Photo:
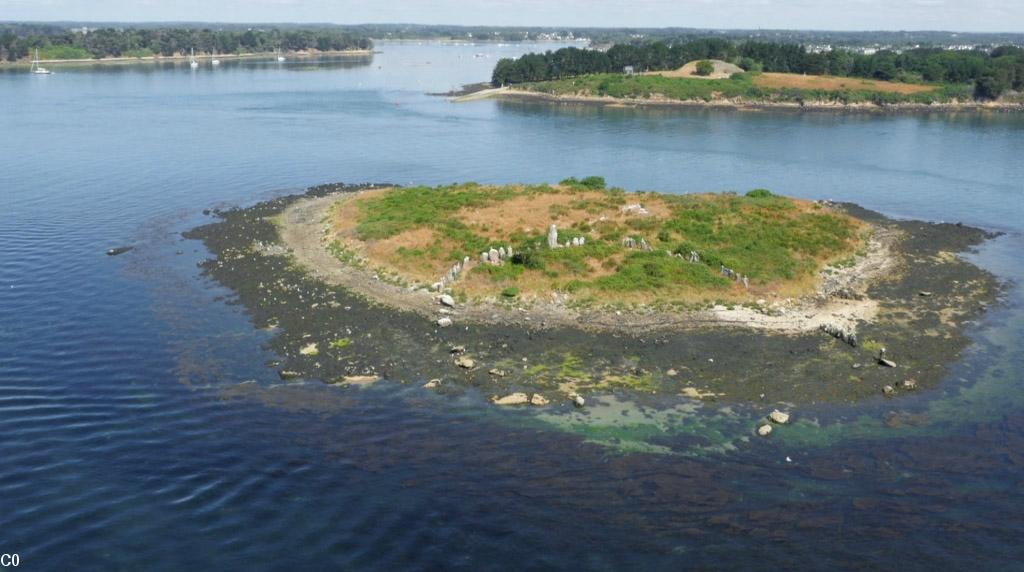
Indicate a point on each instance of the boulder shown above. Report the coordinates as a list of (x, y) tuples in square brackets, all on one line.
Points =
[(432, 384), (779, 417), (577, 399), (909, 384), (444, 322), (764, 430), (886, 362), (512, 399), (497, 372), (465, 362), (492, 256), (287, 374), (888, 390), (447, 300), (538, 399), (309, 350)]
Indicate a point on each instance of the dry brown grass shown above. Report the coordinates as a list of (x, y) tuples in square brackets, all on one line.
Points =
[(835, 83)]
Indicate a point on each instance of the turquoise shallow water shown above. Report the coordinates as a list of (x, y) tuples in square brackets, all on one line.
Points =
[(128, 441)]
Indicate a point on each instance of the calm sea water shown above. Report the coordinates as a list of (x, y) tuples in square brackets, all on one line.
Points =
[(140, 429)]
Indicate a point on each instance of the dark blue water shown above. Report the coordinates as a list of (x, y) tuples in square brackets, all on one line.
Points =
[(140, 429)]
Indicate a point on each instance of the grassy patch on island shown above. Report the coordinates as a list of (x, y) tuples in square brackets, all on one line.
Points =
[(752, 88), (622, 247)]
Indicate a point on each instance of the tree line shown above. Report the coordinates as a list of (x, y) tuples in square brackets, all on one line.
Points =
[(991, 72), (112, 42)]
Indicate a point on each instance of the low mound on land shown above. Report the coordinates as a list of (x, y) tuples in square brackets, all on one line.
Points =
[(722, 70), (614, 247)]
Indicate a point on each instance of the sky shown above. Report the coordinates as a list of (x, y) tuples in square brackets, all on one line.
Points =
[(955, 15)]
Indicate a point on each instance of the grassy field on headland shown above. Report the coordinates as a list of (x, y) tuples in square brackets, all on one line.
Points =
[(752, 88), (636, 246)]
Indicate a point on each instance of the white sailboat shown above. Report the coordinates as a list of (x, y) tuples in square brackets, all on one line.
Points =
[(38, 69), (192, 60), (215, 62)]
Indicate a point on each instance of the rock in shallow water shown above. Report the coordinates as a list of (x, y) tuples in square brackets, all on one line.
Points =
[(119, 250), (447, 300), (779, 417), (764, 430), (465, 362), (513, 399), (444, 322), (538, 399)]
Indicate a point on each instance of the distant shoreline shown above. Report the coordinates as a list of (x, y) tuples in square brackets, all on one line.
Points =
[(184, 57), (739, 104)]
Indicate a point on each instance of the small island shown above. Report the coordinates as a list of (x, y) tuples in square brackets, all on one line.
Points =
[(753, 75), (543, 295)]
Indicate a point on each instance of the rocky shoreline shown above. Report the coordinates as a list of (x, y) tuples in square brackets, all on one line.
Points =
[(738, 104), (332, 333)]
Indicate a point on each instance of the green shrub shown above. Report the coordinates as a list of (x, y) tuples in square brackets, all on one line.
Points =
[(704, 68), (510, 292)]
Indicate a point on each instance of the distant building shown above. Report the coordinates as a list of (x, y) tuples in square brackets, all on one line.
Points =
[(628, 70)]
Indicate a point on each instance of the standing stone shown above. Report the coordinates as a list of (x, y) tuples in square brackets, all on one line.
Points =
[(465, 262), (492, 256), (483, 257), (553, 236), (583, 240), (508, 251), (501, 252)]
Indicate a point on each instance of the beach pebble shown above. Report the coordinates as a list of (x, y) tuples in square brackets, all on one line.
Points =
[(764, 430), (886, 362), (538, 399), (432, 384), (447, 300), (444, 322), (465, 362), (671, 373), (909, 384), (512, 399), (779, 417), (497, 372), (888, 390)]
